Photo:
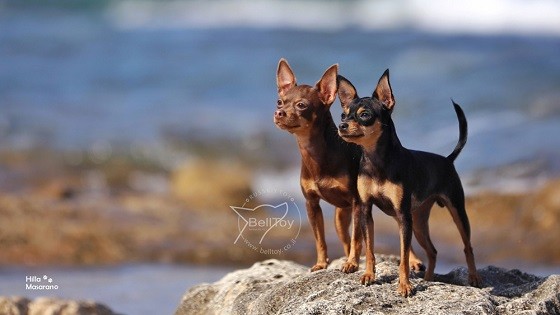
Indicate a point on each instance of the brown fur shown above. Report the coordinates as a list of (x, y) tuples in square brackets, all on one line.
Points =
[(329, 167)]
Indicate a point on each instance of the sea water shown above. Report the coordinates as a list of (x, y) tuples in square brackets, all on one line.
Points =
[(125, 73), (126, 289)]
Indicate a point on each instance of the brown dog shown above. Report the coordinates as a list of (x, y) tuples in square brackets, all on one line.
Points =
[(403, 183), (329, 168)]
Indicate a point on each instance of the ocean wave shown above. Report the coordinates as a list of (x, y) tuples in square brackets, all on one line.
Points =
[(439, 16)]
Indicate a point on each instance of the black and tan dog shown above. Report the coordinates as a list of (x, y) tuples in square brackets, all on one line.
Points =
[(329, 168), (402, 183)]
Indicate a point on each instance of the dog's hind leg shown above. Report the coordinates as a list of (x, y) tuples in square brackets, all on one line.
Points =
[(456, 205), (421, 229)]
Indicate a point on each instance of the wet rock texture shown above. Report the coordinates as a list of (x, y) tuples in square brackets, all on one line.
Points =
[(284, 287)]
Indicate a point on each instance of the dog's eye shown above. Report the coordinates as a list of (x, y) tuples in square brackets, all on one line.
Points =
[(343, 116), (365, 115), (279, 103), (301, 106)]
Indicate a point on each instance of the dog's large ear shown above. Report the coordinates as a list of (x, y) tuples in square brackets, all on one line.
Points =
[(327, 85), (346, 91), (383, 91), (285, 78)]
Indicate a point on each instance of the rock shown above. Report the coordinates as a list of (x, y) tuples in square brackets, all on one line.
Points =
[(284, 287), (13, 305), (50, 306)]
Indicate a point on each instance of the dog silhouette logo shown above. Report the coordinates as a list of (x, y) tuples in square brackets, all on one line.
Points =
[(265, 224), (276, 222)]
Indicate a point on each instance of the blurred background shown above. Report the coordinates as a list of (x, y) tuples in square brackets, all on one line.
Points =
[(128, 128)]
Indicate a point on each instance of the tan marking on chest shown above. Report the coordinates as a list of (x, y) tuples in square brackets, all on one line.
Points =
[(368, 188), (309, 185), (326, 185), (393, 192), (335, 183)]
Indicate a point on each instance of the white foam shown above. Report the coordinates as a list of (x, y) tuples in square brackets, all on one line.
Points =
[(442, 16), (287, 181), (497, 16)]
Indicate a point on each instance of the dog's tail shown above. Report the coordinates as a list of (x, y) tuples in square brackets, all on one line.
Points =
[(463, 132)]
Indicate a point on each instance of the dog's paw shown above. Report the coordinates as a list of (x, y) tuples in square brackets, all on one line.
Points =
[(429, 276), (475, 280), (405, 289), (319, 266), (349, 267), (367, 278), (416, 265)]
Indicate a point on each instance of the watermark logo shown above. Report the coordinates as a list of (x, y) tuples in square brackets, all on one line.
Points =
[(40, 283), (269, 228)]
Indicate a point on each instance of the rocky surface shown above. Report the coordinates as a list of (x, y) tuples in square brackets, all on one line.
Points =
[(284, 287), (50, 306)]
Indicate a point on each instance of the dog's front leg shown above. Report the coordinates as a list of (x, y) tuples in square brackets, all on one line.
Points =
[(366, 224), (353, 261), (342, 220), (405, 227), (315, 216), (414, 261)]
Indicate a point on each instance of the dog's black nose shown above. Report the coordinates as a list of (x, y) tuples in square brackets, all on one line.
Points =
[(343, 126), (279, 113)]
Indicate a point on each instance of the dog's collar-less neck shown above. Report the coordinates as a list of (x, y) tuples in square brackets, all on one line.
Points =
[(388, 143), (316, 146), (320, 131)]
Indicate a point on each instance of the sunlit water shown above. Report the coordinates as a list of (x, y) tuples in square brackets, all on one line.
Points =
[(128, 289)]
